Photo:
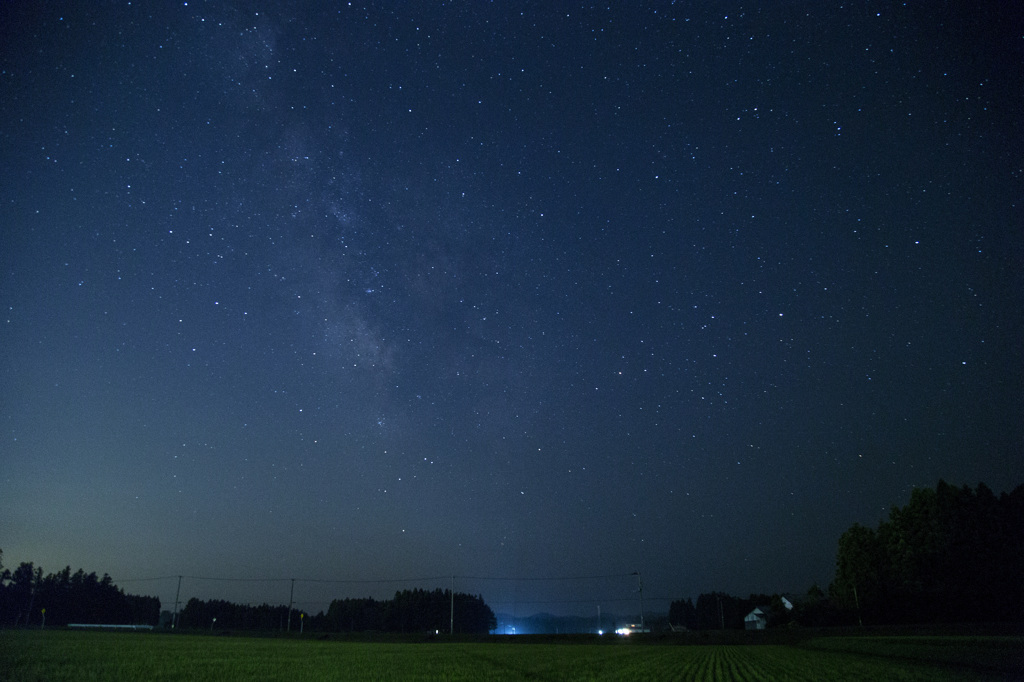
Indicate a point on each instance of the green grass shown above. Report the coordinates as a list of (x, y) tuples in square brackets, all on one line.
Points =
[(27, 656)]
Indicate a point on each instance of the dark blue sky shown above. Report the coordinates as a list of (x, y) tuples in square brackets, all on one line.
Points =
[(505, 290)]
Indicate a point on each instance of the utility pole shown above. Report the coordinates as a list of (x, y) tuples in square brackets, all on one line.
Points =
[(451, 615), (291, 600), (856, 601), (31, 602), (174, 620), (640, 584)]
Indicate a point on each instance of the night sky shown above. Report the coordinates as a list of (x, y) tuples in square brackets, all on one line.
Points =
[(501, 291)]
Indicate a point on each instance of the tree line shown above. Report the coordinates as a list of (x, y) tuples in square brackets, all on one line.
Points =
[(951, 555), (225, 615), (409, 611), (721, 611), (412, 611), (27, 596)]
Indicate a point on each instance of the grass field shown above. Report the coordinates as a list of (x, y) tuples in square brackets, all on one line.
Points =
[(52, 656)]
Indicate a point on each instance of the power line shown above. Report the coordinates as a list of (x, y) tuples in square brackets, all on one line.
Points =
[(436, 579), (378, 581), (540, 579), (560, 601)]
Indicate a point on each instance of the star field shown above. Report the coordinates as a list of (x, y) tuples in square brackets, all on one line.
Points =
[(524, 291)]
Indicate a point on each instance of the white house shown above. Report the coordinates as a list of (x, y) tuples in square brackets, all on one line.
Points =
[(758, 618)]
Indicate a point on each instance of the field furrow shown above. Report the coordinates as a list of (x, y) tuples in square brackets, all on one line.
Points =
[(55, 656)]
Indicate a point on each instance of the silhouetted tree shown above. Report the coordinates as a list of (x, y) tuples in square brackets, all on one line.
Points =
[(415, 610), (814, 609), (718, 610), (951, 554), (683, 613), (355, 615), (199, 614), (472, 615), (21, 591), (68, 598)]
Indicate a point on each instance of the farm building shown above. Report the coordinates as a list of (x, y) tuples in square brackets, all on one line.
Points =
[(758, 618)]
